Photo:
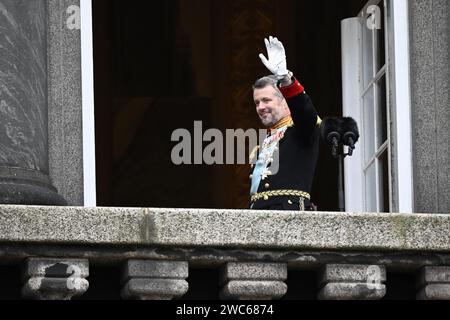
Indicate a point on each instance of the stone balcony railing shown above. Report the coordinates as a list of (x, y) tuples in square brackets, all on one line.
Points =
[(255, 252)]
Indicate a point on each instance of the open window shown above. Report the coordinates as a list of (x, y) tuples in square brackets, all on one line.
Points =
[(160, 66), (376, 95)]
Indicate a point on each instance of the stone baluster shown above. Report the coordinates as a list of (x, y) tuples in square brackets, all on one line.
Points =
[(434, 283), (253, 281), (54, 279), (349, 281), (154, 280)]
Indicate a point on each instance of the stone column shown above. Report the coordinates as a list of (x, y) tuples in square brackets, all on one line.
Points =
[(24, 161), (352, 282), (253, 281), (154, 280), (434, 283), (55, 279)]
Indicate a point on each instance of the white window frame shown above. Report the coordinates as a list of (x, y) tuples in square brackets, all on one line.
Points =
[(87, 79), (398, 93), (402, 101), (371, 158), (351, 106)]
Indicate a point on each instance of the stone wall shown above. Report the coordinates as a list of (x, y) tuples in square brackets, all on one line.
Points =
[(430, 91), (64, 99)]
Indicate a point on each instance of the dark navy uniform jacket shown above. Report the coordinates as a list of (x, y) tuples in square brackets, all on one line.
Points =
[(298, 153)]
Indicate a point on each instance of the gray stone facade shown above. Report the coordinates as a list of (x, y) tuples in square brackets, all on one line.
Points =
[(430, 94), (64, 99)]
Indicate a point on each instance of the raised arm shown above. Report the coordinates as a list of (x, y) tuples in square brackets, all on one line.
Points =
[(303, 113)]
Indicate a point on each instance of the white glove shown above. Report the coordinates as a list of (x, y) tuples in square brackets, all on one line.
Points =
[(276, 61)]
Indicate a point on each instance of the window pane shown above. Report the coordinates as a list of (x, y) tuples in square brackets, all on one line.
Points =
[(381, 55), (381, 112), (368, 125), (367, 52), (370, 183), (384, 182)]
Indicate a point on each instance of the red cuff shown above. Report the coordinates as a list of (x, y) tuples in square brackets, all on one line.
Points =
[(292, 90)]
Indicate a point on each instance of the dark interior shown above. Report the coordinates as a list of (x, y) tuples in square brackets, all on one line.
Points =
[(162, 65)]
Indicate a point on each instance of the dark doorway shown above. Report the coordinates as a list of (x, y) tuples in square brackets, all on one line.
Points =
[(160, 66)]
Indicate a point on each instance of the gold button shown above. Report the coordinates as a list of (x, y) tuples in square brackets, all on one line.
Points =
[(289, 201), (267, 185), (266, 197)]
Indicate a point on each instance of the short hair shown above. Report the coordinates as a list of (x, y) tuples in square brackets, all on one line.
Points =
[(268, 81)]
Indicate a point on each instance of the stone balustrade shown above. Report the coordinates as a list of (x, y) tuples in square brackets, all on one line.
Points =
[(351, 255)]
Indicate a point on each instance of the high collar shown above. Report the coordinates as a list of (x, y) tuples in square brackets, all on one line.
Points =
[(286, 121)]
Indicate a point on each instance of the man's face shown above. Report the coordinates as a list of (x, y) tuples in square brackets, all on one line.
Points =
[(270, 107)]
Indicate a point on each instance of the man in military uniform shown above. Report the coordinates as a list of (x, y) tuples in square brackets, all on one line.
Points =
[(285, 162)]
